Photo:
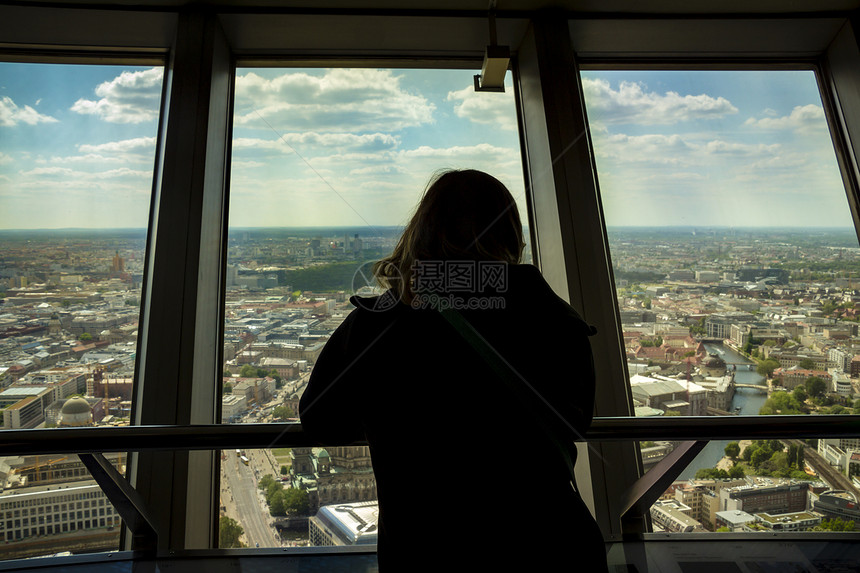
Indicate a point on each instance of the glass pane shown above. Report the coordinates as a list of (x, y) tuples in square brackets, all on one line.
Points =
[(764, 486), (327, 167), (734, 253), (77, 148), (51, 505)]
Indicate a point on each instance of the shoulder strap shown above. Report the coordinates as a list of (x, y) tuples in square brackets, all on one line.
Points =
[(515, 381)]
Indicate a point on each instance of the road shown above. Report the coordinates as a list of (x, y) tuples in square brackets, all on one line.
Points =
[(244, 502)]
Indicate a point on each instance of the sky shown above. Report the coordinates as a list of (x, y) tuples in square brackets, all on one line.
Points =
[(77, 145), (357, 146), (713, 148)]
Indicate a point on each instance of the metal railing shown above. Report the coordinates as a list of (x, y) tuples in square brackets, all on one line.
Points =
[(231, 436), (694, 433)]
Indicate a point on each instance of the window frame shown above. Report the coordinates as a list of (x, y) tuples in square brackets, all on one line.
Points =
[(546, 45), (826, 45)]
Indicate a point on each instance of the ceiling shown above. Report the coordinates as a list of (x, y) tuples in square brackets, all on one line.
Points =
[(602, 7)]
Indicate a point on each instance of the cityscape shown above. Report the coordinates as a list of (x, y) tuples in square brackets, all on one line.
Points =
[(716, 322)]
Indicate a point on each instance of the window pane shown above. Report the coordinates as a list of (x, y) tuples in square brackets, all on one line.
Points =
[(327, 167), (77, 148), (733, 248), (761, 485)]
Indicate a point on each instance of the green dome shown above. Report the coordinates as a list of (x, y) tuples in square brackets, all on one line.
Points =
[(76, 406)]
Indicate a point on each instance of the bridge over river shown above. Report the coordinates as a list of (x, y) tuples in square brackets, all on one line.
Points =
[(758, 387)]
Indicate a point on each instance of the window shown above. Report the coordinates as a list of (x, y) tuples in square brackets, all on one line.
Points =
[(735, 260), (77, 146), (327, 165)]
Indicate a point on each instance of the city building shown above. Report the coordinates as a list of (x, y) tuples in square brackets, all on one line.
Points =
[(719, 325), (754, 498), (734, 520), (345, 524), (74, 516), (686, 398), (837, 504), (794, 376), (797, 521), (333, 475), (673, 516), (233, 406)]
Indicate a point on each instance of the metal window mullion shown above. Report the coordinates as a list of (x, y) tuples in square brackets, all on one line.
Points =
[(179, 361), (841, 98)]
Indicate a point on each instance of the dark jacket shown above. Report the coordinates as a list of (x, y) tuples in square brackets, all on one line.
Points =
[(459, 455)]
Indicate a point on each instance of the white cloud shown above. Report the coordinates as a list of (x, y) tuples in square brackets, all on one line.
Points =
[(137, 144), (493, 108), (719, 147), (84, 176), (678, 176), (630, 103), (369, 142), (135, 150), (803, 118), (482, 151), (131, 97), (5, 159), (650, 148), (342, 100), (378, 170), (11, 114)]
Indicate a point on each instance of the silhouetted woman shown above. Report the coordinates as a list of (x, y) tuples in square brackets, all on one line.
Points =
[(469, 378)]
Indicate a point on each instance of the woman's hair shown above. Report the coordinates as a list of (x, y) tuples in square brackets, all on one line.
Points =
[(464, 215)]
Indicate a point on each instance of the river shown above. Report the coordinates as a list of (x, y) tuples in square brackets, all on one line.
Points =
[(748, 400)]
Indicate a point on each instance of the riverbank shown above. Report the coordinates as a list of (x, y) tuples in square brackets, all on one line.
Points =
[(726, 462)]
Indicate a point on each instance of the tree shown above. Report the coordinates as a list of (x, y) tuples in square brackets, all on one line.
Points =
[(296, 501), (835, 525), (229, 532), (282, 413), (737, 471), (85, 337), (781, 403), (799, 394), (807, 364), (766, 367), (733, 450), (759, 456), (792, 455), (276, 503), (815, 386), (711, 473), (284, 470), (775, 445)]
